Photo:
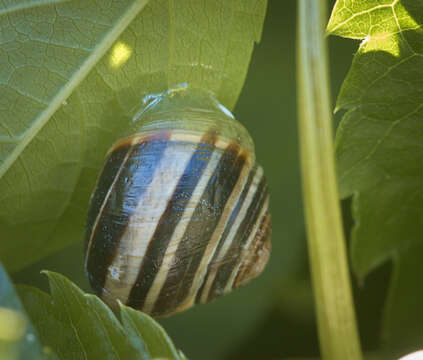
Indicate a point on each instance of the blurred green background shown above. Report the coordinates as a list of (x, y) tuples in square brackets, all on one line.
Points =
[(272, 318)]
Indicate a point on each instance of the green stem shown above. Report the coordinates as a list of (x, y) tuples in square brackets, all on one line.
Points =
[(334, 306)]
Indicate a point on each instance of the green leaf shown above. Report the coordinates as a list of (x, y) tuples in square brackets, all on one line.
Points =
[(407, 275), (63, 100), (45, 53), (9, 6), (81, 326), (140, 325), (378, 148), (376, 19), (18, 339)]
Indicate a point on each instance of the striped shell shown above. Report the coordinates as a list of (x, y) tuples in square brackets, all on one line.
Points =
[(179, 215)]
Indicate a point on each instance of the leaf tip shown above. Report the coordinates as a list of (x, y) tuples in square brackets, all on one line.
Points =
[(45, 272)]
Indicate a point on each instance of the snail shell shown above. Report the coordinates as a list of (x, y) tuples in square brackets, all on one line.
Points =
[(179, 214)]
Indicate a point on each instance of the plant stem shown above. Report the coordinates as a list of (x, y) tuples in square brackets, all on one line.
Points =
[(334, 305)]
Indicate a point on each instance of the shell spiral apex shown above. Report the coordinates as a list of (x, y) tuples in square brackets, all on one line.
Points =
[(180, 212)]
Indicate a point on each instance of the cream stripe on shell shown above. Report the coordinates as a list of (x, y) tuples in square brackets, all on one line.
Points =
[(246, 248), (106, 198), (232, 233), (177, 236), (216, 237), (123, 271)]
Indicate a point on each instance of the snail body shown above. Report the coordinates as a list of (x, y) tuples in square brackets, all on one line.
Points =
[(179, 214)]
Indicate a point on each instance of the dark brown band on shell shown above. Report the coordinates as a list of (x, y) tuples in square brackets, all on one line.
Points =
[(214, 169)]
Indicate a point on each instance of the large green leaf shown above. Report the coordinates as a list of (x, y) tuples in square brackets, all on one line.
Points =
[(45, 53), (18, 339), (53, 134), (379, 149), (81, 326)]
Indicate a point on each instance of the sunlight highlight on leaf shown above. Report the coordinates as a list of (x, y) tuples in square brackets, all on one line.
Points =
[(362, 19), (120, 55), (387, 43)]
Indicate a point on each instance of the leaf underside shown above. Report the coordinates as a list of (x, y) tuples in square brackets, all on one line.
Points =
[(379, 150), (73, 73)]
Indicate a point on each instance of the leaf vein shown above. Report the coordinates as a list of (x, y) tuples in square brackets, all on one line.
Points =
[(362, 13), (380, 141)]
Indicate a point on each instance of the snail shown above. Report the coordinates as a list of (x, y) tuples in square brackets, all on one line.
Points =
[(180, 211)]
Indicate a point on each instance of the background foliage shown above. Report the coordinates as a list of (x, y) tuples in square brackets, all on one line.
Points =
[(379, 152), (273, 317)]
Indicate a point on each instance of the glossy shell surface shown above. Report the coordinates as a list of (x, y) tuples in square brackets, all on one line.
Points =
[(178, 216)]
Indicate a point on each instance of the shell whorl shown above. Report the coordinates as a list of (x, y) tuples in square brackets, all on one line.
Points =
[(180, 212), (191, 111)]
